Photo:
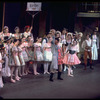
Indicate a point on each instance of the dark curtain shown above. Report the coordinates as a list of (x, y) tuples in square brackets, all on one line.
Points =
[(59, 15)]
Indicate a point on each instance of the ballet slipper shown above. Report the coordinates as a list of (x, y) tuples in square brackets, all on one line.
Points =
[(48, 73), (17, 79), (71, 75), (13, 81)]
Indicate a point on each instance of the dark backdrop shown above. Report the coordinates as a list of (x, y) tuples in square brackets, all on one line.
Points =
[(59, 15)]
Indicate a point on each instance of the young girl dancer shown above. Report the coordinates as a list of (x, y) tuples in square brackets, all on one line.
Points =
[(70, 58), (67, 44), (6, 70), (38, 55), (47, 54), (16, 61), (25, 53), (22, 62)]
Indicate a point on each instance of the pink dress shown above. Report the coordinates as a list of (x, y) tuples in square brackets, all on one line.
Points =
[(71, 59), (16, 55), (47, 52), (24, 53), (39, 54)]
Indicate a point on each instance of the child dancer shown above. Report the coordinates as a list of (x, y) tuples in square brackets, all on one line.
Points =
[(6, 70), (67, 44), (21, 59), (38, 55), (16, 60), (25, 53), (47, 54), (71, 58)]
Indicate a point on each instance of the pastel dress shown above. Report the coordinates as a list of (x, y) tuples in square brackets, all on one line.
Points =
[(39, 54), (1, 81), (16, 55), (21, 56), (94, 47), (47, 52), (6, 70), (24, 53), (71, 58)]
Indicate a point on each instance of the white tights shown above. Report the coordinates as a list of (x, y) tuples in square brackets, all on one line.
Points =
[(46, 65)]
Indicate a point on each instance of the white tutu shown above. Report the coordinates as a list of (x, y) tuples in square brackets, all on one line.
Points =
[(39, 56), (47, 56)]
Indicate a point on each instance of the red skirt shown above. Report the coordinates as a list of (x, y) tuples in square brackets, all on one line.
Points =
[(60, 60)]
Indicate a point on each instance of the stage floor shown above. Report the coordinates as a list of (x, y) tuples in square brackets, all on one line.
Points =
[(84, 85)]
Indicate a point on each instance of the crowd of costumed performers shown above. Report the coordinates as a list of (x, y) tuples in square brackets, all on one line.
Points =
[(58, 51)]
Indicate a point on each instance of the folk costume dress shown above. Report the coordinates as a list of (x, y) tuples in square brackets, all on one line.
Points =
[(15, 56), (47, 52), (95, 47), (39, 54), (71, 58), (24, 53), (6, 70), (22, 62)]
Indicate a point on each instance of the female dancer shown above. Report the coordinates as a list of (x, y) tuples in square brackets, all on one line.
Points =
[(27, 32), (38, 55), (6, 32), (69, 37), (95, 46), (16, 61), (47, 54), (70, 58), (21, 59), (25, 53), (6, 70)]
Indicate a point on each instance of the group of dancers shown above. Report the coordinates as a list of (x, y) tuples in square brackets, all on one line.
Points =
[(56, 49)]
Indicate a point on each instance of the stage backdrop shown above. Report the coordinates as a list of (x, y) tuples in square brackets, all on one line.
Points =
[(56, 15)]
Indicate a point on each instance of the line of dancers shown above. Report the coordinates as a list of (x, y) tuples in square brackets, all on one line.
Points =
[(18, 51)]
